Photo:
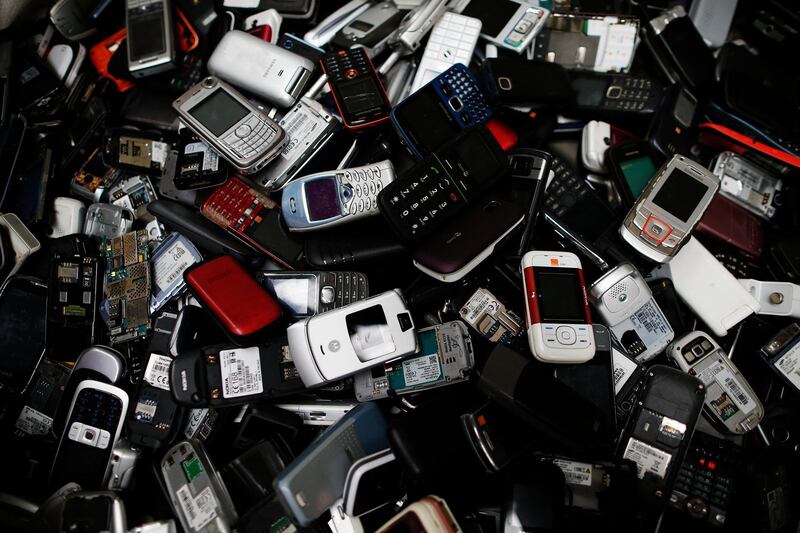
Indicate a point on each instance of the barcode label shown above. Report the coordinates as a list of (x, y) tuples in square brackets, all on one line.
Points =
[(33, 422), (169, 266), (157, 371), (199, 511), (296, 132), (575, 473), (647, 458), (650, 323), (720, 373), (624, 368), (241, 372), (789, 365)]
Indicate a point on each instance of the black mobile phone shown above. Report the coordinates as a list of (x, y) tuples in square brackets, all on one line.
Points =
[(671, 131), (496, 436), (356, 88), (73, 299), (443, 184), (631, 165), (38, 91), (336, 248), (614, 96), (23, 313), (304, 294), (517, 81), (429, 117), (531, 169), (660, 431)]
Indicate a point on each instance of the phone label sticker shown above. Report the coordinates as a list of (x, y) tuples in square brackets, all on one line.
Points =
[(650, 323), (624, 367), (730, 385), (241, 372), (199, 511), (422, 370), (33, 422), (490, 317), (647, 458), (171, 264), (210, 157), (157, 371), (789, 365), (575, 473)]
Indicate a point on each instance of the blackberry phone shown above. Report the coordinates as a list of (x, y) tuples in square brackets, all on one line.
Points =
[(356, 88), (253, 218), (432, 115), (93, 426), (613, 95), (443, 184), (304, 294)]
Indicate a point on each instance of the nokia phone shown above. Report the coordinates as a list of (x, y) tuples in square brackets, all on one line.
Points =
[(511, 24), (150, 40)]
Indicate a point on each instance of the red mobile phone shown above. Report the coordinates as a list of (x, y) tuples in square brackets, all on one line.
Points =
[(235, 298), (733, 224), (356, 88)]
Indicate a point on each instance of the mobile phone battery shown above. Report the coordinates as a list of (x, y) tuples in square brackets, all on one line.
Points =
[(445, 356), (170, 260)]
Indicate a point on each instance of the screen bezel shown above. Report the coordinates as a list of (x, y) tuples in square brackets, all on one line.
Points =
[(659, 212), (538, 271), (307, 213)]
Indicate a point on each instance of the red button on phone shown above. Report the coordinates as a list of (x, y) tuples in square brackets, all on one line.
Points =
[(350, 73)]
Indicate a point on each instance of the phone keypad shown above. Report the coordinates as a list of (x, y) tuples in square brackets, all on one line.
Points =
[(346, 64), (629, 94), (341, 288), (656, 231), (360, 188), (249, 136), (95, 417), (234, 205), (427, 198), (464, 95), (565, 189)]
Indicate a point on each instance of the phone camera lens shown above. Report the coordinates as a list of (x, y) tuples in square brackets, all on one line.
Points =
[(209, 82)]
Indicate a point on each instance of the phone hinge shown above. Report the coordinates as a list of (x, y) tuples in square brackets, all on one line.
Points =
[(297, 82)]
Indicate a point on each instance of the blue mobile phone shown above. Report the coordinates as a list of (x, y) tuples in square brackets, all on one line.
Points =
[(438, 110)]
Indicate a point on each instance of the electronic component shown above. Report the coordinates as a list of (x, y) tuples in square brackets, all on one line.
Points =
[(198, 165), (445, 356), (134, 194), (170, 260), (747, 184), (130, 151), (73, 300), (107, 221), (127, 286), (490, 317)]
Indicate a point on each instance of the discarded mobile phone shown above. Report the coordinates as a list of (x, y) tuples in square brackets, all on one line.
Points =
[(445, 356)]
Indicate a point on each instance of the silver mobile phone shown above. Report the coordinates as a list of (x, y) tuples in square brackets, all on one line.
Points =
[(371, 29), (669, 208), (150, 39), (235, 128), (747, 184)]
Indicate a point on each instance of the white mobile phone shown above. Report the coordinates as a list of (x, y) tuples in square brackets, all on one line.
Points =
[(234, 127), (344, 341), (708, 288), (452, 41), (729, 401), (334, 197), (267, 70), (557, 308), (669, 208), (777, 298), (626, 304)]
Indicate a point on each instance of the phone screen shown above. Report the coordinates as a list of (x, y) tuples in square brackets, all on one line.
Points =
[(560, 295), (369, 333), (219, 112), (298, 293), (475, 161), (360, 95), (322, 199), (680, 194), (23, 313), (638, 173), (146, 36), (494, 14), (425, 119)]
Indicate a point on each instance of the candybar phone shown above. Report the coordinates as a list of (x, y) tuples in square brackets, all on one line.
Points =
[(344, 341), (225, 375), (627, 306), (371, 29), (261, 68), (150, 40), (669, 208), (660, 432), (671, 131), (439, 187), (430, 117), (239, 131), (557, 309), (304, 294), (356, 89), (23, 310), (253, 218), (222, 285), (747, 184), (327, 199), (574, 41), (301, 490), (631, 166), (94, 424), (74, 292), (445, 356), (512, 24), (196, 491), (615, 96), (730, 401)]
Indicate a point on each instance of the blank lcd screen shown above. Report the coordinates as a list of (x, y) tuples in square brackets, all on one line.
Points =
[(680, 194), (293, 292), (637, 174), (219, 112), (360, 95), (146, 37), (423, 116), (494, 14), (23, 314), (560, 295), (322, 199)]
